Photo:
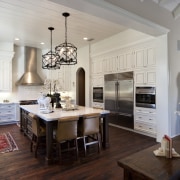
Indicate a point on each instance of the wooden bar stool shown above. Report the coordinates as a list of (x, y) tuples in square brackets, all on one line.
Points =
[(38, 132), (89, 127), (65, 133)]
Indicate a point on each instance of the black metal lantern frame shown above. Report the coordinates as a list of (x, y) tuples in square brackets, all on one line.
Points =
[(66, 52), (51, 59)]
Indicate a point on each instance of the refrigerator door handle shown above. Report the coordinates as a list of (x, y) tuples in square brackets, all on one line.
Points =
[(116, 95), (125, 114)]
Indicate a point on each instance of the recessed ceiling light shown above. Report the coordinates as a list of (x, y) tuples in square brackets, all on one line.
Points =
[(42, 43), (16, 39), (88, 39)]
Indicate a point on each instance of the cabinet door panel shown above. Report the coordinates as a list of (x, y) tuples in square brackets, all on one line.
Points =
[(139, 59), (151, 61), (151, 77), (6, 75), (140, 78), (129, 60), (120, 62)]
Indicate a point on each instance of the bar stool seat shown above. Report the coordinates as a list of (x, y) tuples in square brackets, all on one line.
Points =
[(65, 133), (89, 127)]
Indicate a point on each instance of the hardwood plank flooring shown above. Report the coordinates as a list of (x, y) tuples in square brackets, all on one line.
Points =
[(22, 165)]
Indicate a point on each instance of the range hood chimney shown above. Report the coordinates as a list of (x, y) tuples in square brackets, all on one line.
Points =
[(30, 77)]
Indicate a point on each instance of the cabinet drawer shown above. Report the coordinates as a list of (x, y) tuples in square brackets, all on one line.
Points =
[(7, 117), (148, 119), (6, 112), (145, 127), (7, 106), (145, 111)]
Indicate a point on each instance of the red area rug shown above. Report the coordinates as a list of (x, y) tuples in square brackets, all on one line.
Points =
[(7, 143)]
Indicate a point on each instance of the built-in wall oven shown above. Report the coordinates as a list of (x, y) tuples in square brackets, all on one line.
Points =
[(98, 94), (146, 97)]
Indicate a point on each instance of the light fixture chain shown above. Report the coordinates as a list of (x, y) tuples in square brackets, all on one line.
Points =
[(66, 30), (51, 46)]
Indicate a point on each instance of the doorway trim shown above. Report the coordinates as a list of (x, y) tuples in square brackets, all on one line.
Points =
[(80, 87)]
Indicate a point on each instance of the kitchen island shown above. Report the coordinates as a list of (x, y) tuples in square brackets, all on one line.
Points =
[(51, 118)]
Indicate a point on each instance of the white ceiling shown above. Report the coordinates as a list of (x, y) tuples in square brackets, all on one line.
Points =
[(29, 20)]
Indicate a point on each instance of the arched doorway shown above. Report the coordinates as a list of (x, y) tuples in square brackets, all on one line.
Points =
[(80, 87)]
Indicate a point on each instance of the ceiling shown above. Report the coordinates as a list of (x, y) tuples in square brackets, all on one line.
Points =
[(171, 5), (29, 20), (168, 4)]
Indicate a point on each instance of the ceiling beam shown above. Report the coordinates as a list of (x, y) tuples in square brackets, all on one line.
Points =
[(162, 2), (176, 12)]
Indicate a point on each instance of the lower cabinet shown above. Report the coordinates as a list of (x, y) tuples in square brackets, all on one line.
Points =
[(145, 121), (26, 123), (8, 113), (98, 105)]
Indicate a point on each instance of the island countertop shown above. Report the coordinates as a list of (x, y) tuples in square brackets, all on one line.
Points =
[(57, 113)]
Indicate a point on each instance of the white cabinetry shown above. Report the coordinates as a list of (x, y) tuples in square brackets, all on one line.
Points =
[(97, 67), (145, 77), (98, 105), (8, 113), (145, 58), (129, 60), (63, 75), (98, 81), (5, 75), (145, 121), (145, 62)]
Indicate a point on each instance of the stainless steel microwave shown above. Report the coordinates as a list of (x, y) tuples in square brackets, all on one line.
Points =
[(98, 94), (146, 97)]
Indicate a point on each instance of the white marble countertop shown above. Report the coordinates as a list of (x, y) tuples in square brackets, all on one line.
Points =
[(59, 112)]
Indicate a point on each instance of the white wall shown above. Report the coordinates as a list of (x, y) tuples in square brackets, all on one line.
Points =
[(83, 62), (162, 79)]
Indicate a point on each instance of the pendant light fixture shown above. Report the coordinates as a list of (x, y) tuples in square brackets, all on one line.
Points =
[(67, 52), (50, 59)]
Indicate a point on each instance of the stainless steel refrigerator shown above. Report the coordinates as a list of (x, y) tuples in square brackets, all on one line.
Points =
[(119, 97)]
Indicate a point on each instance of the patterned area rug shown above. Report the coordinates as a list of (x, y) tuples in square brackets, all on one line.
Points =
[(7, 143)]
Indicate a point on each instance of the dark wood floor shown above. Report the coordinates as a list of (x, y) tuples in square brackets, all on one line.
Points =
[(22, 165)]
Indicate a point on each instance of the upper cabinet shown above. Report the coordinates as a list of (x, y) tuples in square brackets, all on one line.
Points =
[(97, 67), (145, 62), (140, 59), (144, 58), (145, 77), (6, 71)]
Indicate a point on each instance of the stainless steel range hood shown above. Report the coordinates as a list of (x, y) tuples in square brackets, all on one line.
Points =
[(30, 77)]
